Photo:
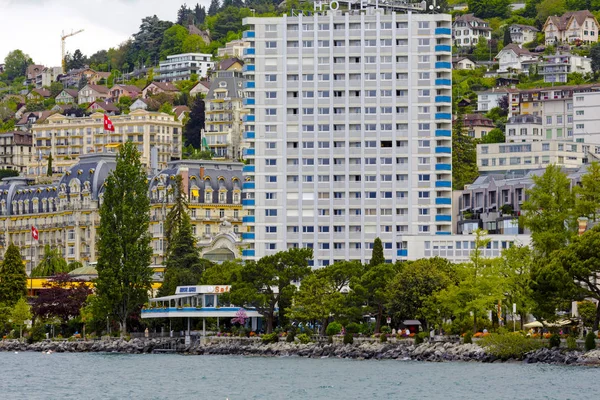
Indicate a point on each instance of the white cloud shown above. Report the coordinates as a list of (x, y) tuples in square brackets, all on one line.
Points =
[(35, 26)]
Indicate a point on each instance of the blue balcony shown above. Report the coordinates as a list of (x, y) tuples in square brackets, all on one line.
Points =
[(249, 34), (248, 202), (248, 219), (249, 85), (443, 149), (443, 167), (250, 51), (443, 47), (248, 168), (248, 101), (443, 99), (443, 218), (443, 201), (443, 133), (443, 64), (248, 236), (443, 184), (248, 152), (443, 116), (248, 118), (249, 68), (249, 135), (446, 82), (443, 233), (248, 185), (248, 253), (443, 31), (402, 253)]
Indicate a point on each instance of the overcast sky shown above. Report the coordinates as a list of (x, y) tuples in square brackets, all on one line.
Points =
[(35, 26)]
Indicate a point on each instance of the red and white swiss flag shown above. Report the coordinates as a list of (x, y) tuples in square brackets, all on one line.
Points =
[(108, 125), (34, 233)]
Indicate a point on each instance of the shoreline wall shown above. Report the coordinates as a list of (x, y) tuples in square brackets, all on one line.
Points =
[(405, 350)]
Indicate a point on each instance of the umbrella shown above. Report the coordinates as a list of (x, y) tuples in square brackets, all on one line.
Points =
[(534, 324)]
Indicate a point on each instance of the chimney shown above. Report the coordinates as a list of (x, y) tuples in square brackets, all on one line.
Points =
[(201, 172), (185, 178)]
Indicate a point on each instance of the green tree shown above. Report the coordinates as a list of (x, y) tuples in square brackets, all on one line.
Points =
[(587, 196), (480, 285), (15, 64), (515, 266), (195, 124), (193, 44), (173, 40), (225, 273), (320, 296), (124, 251), (52, 263), (595, 56), (56, 88), (214, 7), (49, 169), (371, 287), (7, 173), (482, 50), (494, 136), (21, 312), (464, 155), (489, 8), (507, 38), (411, 291), (266, 283), (183, 265), (548, 211), (13, 278), (587, 312), (547, 8), (580, 262), (377, 256)]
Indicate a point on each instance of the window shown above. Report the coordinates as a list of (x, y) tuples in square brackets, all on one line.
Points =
[(270, 212), (271, 229), (271, 78), (271, 45), (271, 178), (423, 195), (271, 111), (270, 196), (271, 95), (271, 161)]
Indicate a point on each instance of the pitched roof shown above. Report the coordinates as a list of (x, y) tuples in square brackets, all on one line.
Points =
[(563, 22), (42, 92), (165, 86), (470, 18), (71, 92), (40, 115), (103, 75), (228, 62), (477, 120), (180, 110), (105, 106), (98, 88), (526, 27), (205, 84), (516, 49), (129, 88)]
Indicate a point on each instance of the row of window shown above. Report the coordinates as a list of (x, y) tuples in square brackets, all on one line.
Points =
[(422, 143), (307, 44), (325, 26), (325, 94), (402, 76)]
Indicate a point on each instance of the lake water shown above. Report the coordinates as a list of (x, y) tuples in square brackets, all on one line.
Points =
[(170, 376)]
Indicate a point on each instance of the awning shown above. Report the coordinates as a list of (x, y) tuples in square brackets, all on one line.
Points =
[(534, 324), (411, 322), (173, 297)]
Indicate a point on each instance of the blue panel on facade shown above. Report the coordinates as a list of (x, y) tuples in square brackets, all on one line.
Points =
[(248, 102), (443, 149), (248, 118), (443, 218), (249, 135), (249, 85), (443, 167), (248, 152), (443, 82), (443, 31), (248, 202), (248, 236), (248, 185), (249, 68), (249, 34), (443, 47), (441, 201), (443, 64), (248, 168), (443, 233), (443, 184), (443, 132), (248, 253), (248, 219), (443, 99), (402, 253), (250, 51), (443, 116)]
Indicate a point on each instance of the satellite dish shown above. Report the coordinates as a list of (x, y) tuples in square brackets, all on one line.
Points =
[(431, 7)]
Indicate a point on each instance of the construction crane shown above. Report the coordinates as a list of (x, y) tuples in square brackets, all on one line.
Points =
[(62, 43)]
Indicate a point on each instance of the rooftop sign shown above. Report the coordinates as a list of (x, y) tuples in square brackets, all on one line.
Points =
[(203, 289)]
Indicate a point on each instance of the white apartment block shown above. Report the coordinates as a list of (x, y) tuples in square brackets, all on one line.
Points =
[(556, 68), (349, 132), (520, 158), (179, 67), (586, 109)]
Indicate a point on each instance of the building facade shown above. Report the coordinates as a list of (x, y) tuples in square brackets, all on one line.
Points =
[(157, 135), (571, 27), (234, 48), (224, 110), (349, 132), (179, 67), (467, 29), (556, 68), (15, 150), (520, 34), (66, 213)]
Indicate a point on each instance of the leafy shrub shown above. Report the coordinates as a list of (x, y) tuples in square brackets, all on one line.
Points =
[(366, 329), (290, 337), (571, 343), (554, 341), (270, 338), (38, 333), (385, 329), (468, 339), (420, 337), (348, 338), (383, 338), (590, 341), (352, 327), (303, 338), (509, 346), (333, 329)]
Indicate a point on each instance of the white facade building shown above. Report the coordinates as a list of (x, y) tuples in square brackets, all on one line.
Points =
[(179, 67), (467, 29), (557, 67), (586, 109), (349, 132)]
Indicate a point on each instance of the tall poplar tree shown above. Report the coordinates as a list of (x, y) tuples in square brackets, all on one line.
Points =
[(13, 278), (124, 251), (464, 154)]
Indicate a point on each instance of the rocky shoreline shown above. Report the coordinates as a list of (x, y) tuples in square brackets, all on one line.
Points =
[(432, 352)]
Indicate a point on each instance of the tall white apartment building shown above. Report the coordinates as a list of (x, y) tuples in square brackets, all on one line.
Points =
[(349, 132)]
